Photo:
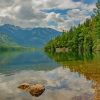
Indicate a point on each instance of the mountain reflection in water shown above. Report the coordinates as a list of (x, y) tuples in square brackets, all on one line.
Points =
[(65, 77)]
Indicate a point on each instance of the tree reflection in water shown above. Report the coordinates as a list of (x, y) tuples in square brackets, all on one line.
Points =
[(85, 64)]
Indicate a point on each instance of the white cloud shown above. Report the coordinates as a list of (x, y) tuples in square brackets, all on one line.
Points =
[(6, 3), (69, 4), (54, 17), (27, 13)]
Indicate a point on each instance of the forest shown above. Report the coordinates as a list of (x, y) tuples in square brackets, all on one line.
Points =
[(82, 38)]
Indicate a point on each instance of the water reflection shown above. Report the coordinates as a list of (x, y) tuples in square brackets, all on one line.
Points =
[(78, 78), (60, 84), (11, 62), (87, 65)]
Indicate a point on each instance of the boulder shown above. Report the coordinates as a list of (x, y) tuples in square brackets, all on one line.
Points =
[(37, 90), (24, 86)]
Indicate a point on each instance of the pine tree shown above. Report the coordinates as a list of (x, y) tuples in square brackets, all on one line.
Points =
[(98, 6)]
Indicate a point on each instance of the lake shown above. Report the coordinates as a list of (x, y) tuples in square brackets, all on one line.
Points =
[(65, 77)]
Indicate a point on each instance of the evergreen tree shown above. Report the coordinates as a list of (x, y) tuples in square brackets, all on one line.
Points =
[(84, 38)]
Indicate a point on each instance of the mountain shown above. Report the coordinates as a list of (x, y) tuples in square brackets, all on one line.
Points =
[(29, 37), (5, 40)]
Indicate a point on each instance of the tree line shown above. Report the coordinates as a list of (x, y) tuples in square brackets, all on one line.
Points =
[(83, 38)]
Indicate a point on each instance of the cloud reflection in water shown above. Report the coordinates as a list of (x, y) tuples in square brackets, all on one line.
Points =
[(61, 84)]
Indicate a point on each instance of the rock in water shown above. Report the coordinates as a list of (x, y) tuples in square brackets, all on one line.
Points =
[(36, 90), (24, 86)]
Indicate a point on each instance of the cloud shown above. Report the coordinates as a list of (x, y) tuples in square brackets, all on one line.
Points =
[(6, 3), (54, 17), (44, 13), (22, 14)]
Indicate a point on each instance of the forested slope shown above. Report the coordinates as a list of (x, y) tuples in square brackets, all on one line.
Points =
[(83, 38)]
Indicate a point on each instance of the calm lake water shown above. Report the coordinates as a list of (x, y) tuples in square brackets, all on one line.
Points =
[(65, 77)]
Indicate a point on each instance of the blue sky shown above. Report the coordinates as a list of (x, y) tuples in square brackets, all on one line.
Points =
[(86, 1), (45, 13)]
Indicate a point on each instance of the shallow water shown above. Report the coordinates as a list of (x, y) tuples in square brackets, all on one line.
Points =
[(63, 80)]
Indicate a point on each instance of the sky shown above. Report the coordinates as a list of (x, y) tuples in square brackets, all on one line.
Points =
[(58, 14)]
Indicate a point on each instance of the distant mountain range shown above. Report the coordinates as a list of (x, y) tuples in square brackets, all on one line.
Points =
[(5, 40), (28, 37)]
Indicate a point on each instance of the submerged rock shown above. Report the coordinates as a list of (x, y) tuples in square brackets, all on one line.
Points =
[(24, 86), (35, 90)]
